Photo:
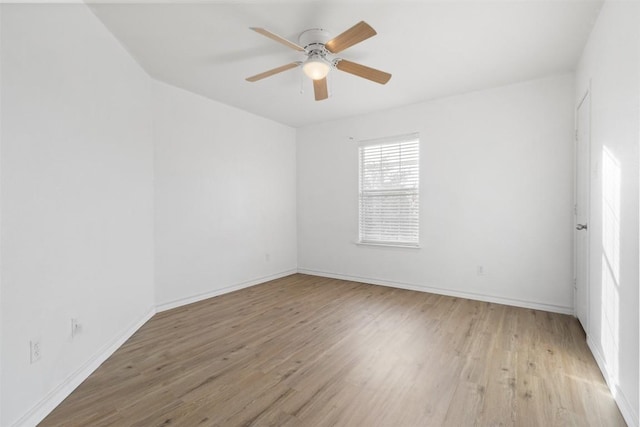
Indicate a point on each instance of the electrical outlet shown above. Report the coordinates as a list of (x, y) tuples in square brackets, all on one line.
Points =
[(76, 327), (36, 350)]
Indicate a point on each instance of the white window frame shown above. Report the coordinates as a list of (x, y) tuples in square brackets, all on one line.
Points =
[(385, 197)]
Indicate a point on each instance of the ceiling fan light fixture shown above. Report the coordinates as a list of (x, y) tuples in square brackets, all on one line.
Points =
[(316, 67)]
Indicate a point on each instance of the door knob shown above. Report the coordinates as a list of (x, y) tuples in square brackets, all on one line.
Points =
[(581, 227)]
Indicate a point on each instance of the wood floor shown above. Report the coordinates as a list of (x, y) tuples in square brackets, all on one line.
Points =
[(311, 351)]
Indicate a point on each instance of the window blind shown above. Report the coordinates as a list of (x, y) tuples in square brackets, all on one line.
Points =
[(389, 193)]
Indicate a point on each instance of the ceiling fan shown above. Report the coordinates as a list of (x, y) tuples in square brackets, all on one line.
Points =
[(319, 50)]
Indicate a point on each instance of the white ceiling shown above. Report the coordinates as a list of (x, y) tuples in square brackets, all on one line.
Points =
[(432, 48)]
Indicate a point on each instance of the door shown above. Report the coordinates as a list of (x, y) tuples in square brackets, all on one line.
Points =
[(581, 232)]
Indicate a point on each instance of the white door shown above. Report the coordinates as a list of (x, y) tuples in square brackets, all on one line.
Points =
[(581, 232)]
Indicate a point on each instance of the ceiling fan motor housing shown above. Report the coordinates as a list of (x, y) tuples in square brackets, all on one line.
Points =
[(313, 41)]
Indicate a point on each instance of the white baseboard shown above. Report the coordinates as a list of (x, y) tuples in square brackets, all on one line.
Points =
[(225, 290), (623, 403), (621, 399), (64, 389), (460, 294), (56, 396)]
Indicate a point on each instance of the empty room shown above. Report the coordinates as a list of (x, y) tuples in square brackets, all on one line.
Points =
[(319, 213)]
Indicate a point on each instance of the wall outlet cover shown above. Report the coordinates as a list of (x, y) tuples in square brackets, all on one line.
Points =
[(35, 351)]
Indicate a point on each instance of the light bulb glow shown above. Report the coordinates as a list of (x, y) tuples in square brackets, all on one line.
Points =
[(316, 68)]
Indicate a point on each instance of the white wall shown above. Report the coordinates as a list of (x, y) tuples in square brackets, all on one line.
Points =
[(496, 191), (77, 191), (225, 197), (77, 200), (611, 65)]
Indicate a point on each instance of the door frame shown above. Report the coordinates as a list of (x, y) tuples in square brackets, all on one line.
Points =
[(586, 94)]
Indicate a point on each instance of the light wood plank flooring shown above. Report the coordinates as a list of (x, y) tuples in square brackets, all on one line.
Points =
[(311, 351)]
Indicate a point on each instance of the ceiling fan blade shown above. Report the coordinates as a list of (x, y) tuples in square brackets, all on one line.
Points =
[(363, 71), (277, 38), (320, 89), (359, 32), (272, 72)]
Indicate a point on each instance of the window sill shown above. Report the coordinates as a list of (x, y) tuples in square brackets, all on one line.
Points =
[(388, 245)]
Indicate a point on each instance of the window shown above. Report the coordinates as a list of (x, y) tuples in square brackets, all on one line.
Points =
[(389, 177)]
